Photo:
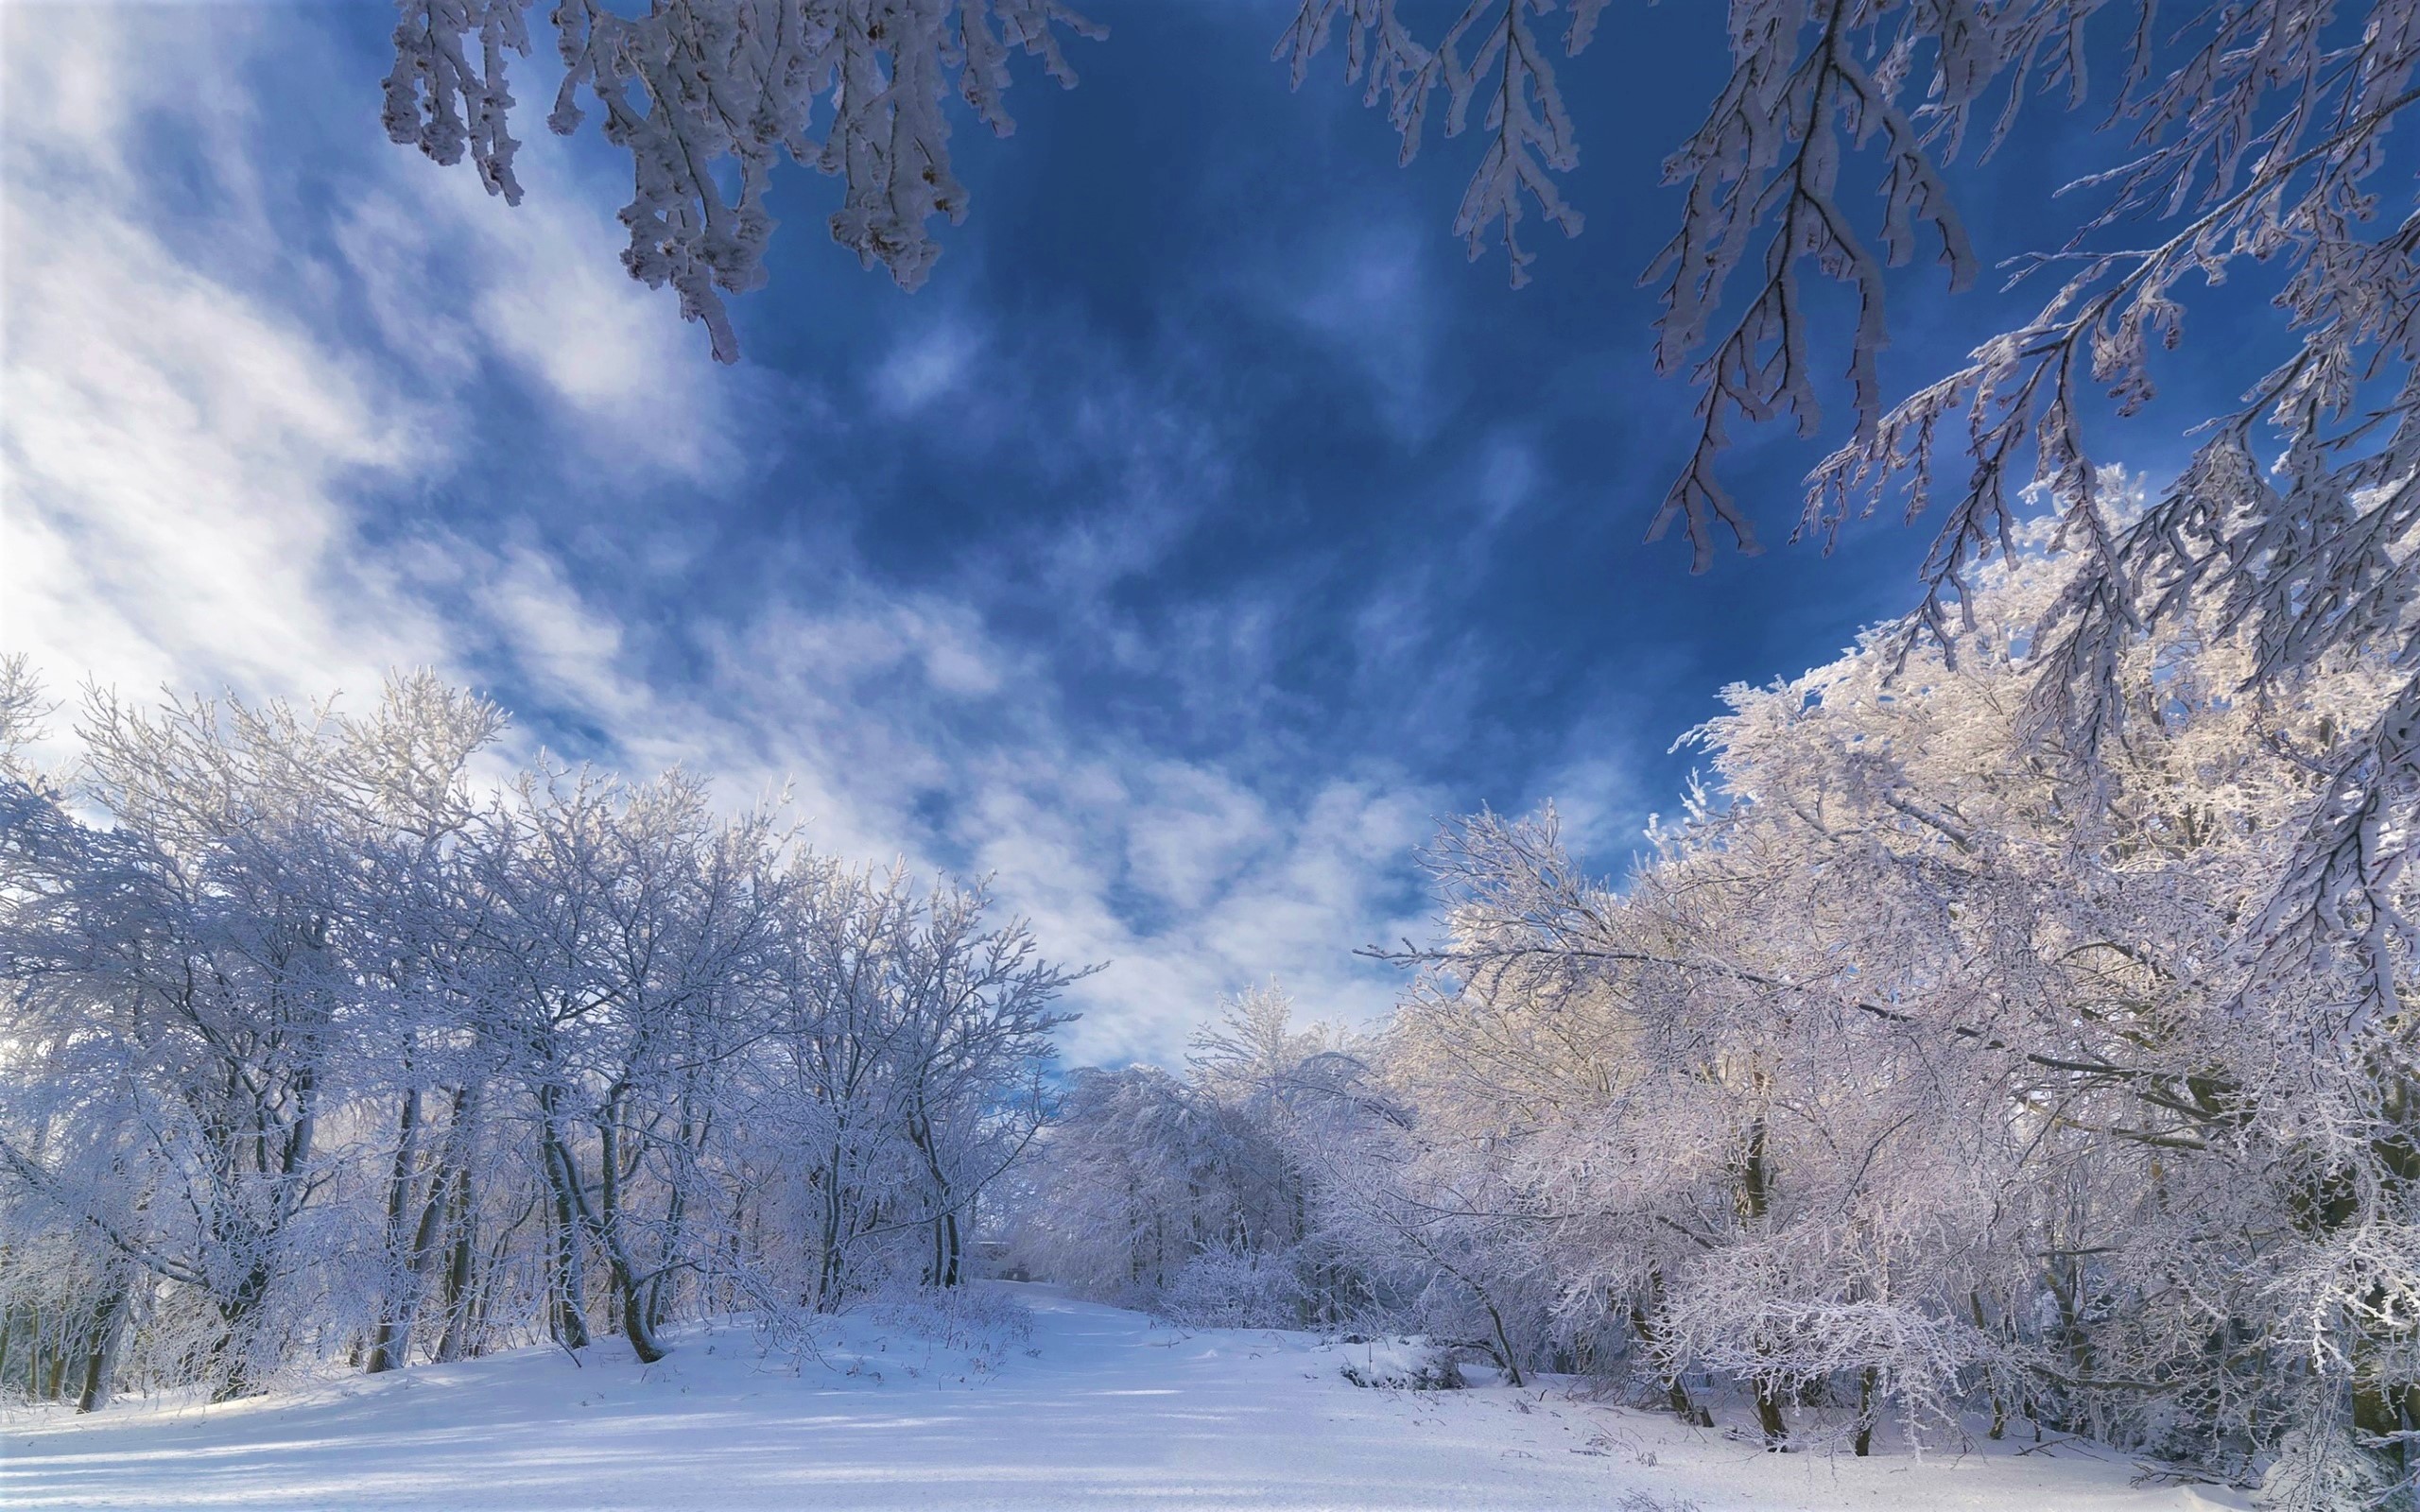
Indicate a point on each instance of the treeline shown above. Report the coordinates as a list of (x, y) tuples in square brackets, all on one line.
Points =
[(313, 1045), (1940, 1065)]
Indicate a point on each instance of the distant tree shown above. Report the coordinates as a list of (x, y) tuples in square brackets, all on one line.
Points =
[(1193, 1195)]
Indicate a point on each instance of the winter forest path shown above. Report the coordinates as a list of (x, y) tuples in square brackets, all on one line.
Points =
[(1111, 1411)]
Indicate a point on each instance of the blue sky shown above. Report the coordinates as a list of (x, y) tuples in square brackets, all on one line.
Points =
[(1202, 532)]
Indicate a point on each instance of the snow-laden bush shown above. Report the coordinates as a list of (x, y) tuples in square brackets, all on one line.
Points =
[(1228, 1286), (1412, 1363), (981, 1320)]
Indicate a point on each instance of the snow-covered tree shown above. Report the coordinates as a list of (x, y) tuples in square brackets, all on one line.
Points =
[(198, 986), (905, 1071), (1195, 1195), (1915, 1069), (311, 1045), (1917, 1076)]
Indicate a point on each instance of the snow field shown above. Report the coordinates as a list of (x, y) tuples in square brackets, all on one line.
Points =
[(1097, 1408)]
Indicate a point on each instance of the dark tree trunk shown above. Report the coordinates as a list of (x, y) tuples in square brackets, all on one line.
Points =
[(567, 1319), (100, 1348), (1999, 1408), (459, 1278), (1675, 1395), (1503, 1343), (1768, 1417), (1754, 1200), (605, 1225), (943, 1268), (388, 1345), (829, 1277), (1866, 1380), (236, 1315)]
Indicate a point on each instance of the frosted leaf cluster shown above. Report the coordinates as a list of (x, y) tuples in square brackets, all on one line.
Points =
[(708, 96), (312, 1048), (1495, 54)]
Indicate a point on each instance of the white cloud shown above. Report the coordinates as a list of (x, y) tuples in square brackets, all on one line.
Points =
[(201, 417), (1365, 299), (1507, 476), (1201, 831), (928, 364), (1228, 885), (186, 428), (170, 443)]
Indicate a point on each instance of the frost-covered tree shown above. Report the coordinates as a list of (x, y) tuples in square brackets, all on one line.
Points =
[(1196, 1194), (1913, 1073), (622, 924), (311, 1046), (903, 1073), (1912, 1081), (200, 985)]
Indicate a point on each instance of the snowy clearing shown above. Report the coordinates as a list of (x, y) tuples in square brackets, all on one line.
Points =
[(1110, 1409)]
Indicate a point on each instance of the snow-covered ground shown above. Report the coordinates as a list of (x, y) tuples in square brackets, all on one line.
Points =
[(1100, 1408)]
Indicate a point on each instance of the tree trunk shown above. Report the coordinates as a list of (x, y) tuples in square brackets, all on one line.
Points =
[(1768, 1417), (388, 1345), (458, 1279), (1866, 1380), (1676, 1395), (567, 1319), (1511, 1366), (1755, 1199), (1999, 1408), (32, 1347), (942, 1270), (605, 1225), (829, 1277), (100, 1348), (675, 1215), (235, 1314)]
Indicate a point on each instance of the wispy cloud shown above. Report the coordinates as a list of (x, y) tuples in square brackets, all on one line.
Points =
[(225, 420), (173, 442)]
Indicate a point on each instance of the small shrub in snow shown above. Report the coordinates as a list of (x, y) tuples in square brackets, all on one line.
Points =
[(1641, 1501), (1232, 1288), (964, 1317), (1405, 1365)]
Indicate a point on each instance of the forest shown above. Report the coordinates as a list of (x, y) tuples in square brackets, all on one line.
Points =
[(1914, 1071)]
